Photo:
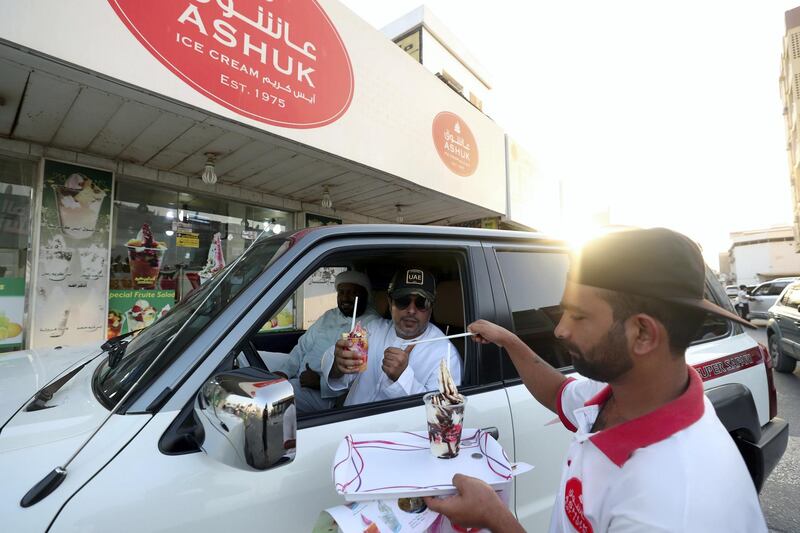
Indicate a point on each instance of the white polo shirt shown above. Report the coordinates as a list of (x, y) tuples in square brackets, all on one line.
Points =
[(675, 469)]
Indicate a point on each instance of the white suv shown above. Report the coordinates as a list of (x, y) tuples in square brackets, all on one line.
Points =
[(764, 296), (201, 437)]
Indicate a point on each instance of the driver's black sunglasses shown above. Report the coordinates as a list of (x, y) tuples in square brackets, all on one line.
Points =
[(420, 302)]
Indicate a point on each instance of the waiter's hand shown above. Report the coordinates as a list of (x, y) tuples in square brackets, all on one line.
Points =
[(487, 332), (476, 505), (344, 361), (309, 378), (395, 361)]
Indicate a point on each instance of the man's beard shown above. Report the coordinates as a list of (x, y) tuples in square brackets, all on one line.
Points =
[(605, 361)]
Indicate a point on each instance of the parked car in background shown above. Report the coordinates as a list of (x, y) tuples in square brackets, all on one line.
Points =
[(765, 295), (783, 329)]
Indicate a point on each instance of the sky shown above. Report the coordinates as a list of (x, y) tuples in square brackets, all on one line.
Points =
[(666, 114)]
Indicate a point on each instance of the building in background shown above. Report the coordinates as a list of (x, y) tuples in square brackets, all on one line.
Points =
[(761, 255), (725, 275), (533, 200), (426, 39), (790, 94)]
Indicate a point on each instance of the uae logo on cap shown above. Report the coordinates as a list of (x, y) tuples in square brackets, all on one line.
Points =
[(414, 277)]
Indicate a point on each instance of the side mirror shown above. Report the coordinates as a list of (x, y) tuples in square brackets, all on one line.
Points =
[(249, 418)]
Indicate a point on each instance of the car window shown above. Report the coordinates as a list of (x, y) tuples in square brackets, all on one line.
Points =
[(154, 348), (776, 288), (307, 304), (762, 290), (713, 326), (534, 282), (792, 296), (294, 344)]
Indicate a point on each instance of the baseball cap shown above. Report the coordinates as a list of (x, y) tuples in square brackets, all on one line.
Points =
[(656, 263), (413, 281)]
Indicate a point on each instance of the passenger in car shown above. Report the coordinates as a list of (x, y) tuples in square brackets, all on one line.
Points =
[(302, 366), (393, 370)]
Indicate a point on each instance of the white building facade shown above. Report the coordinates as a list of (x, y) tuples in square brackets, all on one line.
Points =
[(761, 255)]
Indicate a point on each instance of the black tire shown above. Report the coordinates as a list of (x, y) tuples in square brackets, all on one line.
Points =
[(782, 363)]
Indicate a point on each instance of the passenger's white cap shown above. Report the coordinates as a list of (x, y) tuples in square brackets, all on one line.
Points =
[(356, 278)]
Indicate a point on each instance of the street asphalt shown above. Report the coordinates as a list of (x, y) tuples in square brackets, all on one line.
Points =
[(780, 496)]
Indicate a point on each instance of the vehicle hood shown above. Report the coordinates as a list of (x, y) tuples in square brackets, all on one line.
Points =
[(23, 373), (33, 443)]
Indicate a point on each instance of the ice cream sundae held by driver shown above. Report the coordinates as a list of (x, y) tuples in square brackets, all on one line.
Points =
[(392, 371)]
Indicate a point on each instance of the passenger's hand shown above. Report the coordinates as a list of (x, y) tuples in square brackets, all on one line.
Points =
[(309, 378), (395, 361), (476, 505), (487, 332), (344, 361)]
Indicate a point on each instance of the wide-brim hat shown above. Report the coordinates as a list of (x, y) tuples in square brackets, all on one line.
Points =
[(656, 263)]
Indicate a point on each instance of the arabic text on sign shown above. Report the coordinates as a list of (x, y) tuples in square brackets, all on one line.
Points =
[(188, 240)]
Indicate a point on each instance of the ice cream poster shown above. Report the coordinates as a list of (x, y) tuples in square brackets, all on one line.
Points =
[(71, 275), (12, 304), (132, 310)]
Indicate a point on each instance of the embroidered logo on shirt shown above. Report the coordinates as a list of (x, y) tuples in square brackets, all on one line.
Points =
[(414, 277), (573, 506)]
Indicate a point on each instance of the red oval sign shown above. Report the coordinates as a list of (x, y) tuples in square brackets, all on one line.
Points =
[(282, 63), (455, 143)]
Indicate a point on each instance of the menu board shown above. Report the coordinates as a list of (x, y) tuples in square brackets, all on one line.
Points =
[(71, 278)]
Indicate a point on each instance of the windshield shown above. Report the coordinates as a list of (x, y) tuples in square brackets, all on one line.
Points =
[(111, 384)]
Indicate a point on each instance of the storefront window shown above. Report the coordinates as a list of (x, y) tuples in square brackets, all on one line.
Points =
[(167, 243), (16, 199)]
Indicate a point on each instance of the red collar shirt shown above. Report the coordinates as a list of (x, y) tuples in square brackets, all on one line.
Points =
[(675, 469)]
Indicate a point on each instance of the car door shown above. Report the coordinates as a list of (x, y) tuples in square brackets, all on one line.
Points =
[(527, 283), (787, 313), (191, 491), (765, 297), (760, 300)]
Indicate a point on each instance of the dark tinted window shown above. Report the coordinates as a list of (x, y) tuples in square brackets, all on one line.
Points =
[(534, 283), (713, 326), (776, 288)]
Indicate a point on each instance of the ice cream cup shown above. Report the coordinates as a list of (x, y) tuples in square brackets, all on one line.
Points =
[(92, 262), (114, 322), (78, 219), (145, 265), (360, 347), (445, 421), (137, 321)]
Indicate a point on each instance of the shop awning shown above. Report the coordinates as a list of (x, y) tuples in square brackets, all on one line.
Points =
[(65, 107)]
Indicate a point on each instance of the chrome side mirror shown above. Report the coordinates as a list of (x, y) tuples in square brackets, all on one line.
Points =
[(249, 418)]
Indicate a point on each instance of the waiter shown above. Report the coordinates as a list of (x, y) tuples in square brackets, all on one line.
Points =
[(649, 453)]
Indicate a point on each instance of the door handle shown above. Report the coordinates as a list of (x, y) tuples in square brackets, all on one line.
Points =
[(493, 431)]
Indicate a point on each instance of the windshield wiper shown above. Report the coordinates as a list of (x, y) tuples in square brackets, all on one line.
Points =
[(115, 348), (46, 394)]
